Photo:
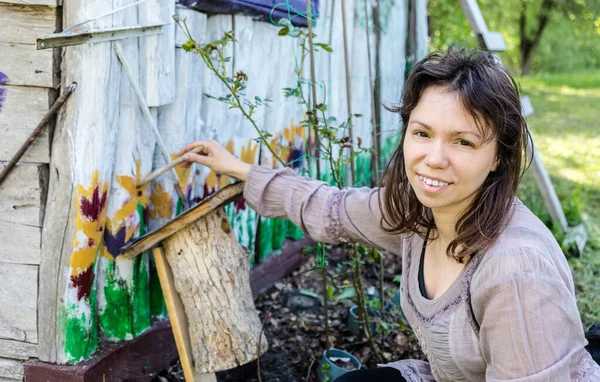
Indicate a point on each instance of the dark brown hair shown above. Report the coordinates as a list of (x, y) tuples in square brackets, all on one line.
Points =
[(491, 96)]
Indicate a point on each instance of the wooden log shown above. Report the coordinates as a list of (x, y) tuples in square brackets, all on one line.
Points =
[(18, 349), (178, 319), (21, 24), (24, 65), (11, 370), (18, 298), (211, 274), (21, 109)]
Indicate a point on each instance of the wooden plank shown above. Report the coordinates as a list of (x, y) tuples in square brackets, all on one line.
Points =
[(178, 318), (119, 278), (21, 24), (21, 109), (20, 243), (49, 3), (20, 195), (24, 65), (224, 196), (85, 137), (17, 349), (11, 370), (157, 53), (18, 298)]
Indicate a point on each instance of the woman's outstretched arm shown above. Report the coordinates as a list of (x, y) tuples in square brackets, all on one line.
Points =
[(325, 213)]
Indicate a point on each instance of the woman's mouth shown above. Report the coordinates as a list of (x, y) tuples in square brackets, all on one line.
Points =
[(433, 185)]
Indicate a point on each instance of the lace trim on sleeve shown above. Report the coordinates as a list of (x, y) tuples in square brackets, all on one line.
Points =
[(333, 223)]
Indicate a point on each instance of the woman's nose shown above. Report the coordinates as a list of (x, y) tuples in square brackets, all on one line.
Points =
[(436, 156)]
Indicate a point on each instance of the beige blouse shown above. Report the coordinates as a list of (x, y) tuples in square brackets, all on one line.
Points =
[(511, 315)]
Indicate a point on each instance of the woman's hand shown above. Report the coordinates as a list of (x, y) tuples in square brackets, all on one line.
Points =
[(216, 157)]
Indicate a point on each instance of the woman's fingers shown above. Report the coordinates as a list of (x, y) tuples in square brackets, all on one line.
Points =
[(192, 145)]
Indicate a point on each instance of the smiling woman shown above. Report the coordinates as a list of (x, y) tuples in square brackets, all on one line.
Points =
[(485, 286)]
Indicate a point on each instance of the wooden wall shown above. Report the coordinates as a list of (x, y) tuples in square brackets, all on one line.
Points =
[(53, 299), (26, 90)]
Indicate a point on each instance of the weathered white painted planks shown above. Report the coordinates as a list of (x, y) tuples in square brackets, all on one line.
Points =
[(21, 109), (20, 195), (85, 137), (158, 53), (49, 3), (11, 370), (393, 17), (180, 123), (21, 24), (17, 349), (22, 64), (18, 302), (20, 243)]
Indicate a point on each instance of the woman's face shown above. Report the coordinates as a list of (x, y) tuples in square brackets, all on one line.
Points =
[(445, 157)]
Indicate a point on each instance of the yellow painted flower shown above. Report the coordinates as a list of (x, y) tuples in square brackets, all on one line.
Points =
[(161, 205), (136, 195)]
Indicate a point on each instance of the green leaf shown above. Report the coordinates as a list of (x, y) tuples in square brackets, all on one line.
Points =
[(283, 31), (347, 293), (324, 46), (189, 45)]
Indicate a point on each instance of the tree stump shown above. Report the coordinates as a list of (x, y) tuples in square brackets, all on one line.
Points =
[(211, 271)]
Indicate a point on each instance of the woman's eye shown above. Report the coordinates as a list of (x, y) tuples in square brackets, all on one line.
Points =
[(421, 134), (462, 142)]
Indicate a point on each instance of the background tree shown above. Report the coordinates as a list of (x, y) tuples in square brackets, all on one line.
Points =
[(541, 35)]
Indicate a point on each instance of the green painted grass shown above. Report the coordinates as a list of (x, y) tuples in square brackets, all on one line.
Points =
[(566, 132)]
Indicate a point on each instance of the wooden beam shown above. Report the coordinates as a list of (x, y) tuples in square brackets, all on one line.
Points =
[(18, 302), (178, 318), (93, 36), (223, 196)]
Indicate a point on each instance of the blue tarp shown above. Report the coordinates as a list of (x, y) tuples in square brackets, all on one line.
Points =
[(270, 10)]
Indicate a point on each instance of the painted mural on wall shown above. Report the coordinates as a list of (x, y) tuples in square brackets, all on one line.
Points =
[(114, 298)]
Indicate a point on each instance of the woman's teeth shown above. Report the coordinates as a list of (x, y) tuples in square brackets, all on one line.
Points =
[(431, 182)]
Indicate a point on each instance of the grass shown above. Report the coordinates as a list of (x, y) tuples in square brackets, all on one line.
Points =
[(566, 132)]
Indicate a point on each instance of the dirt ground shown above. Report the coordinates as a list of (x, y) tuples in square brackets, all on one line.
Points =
[(295, 328)]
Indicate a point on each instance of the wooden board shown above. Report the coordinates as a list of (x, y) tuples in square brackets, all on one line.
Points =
[(85, 137), (21, 109), (157, 53), (17, 349), (49, 3), (21, 24), (20, 244), (178, 319), (11, 370), (24, 65), (18, 302), (20, 195), (224, 196)]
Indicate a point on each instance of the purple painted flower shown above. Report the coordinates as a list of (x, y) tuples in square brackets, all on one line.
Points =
[(3, 79), (114, 242)]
